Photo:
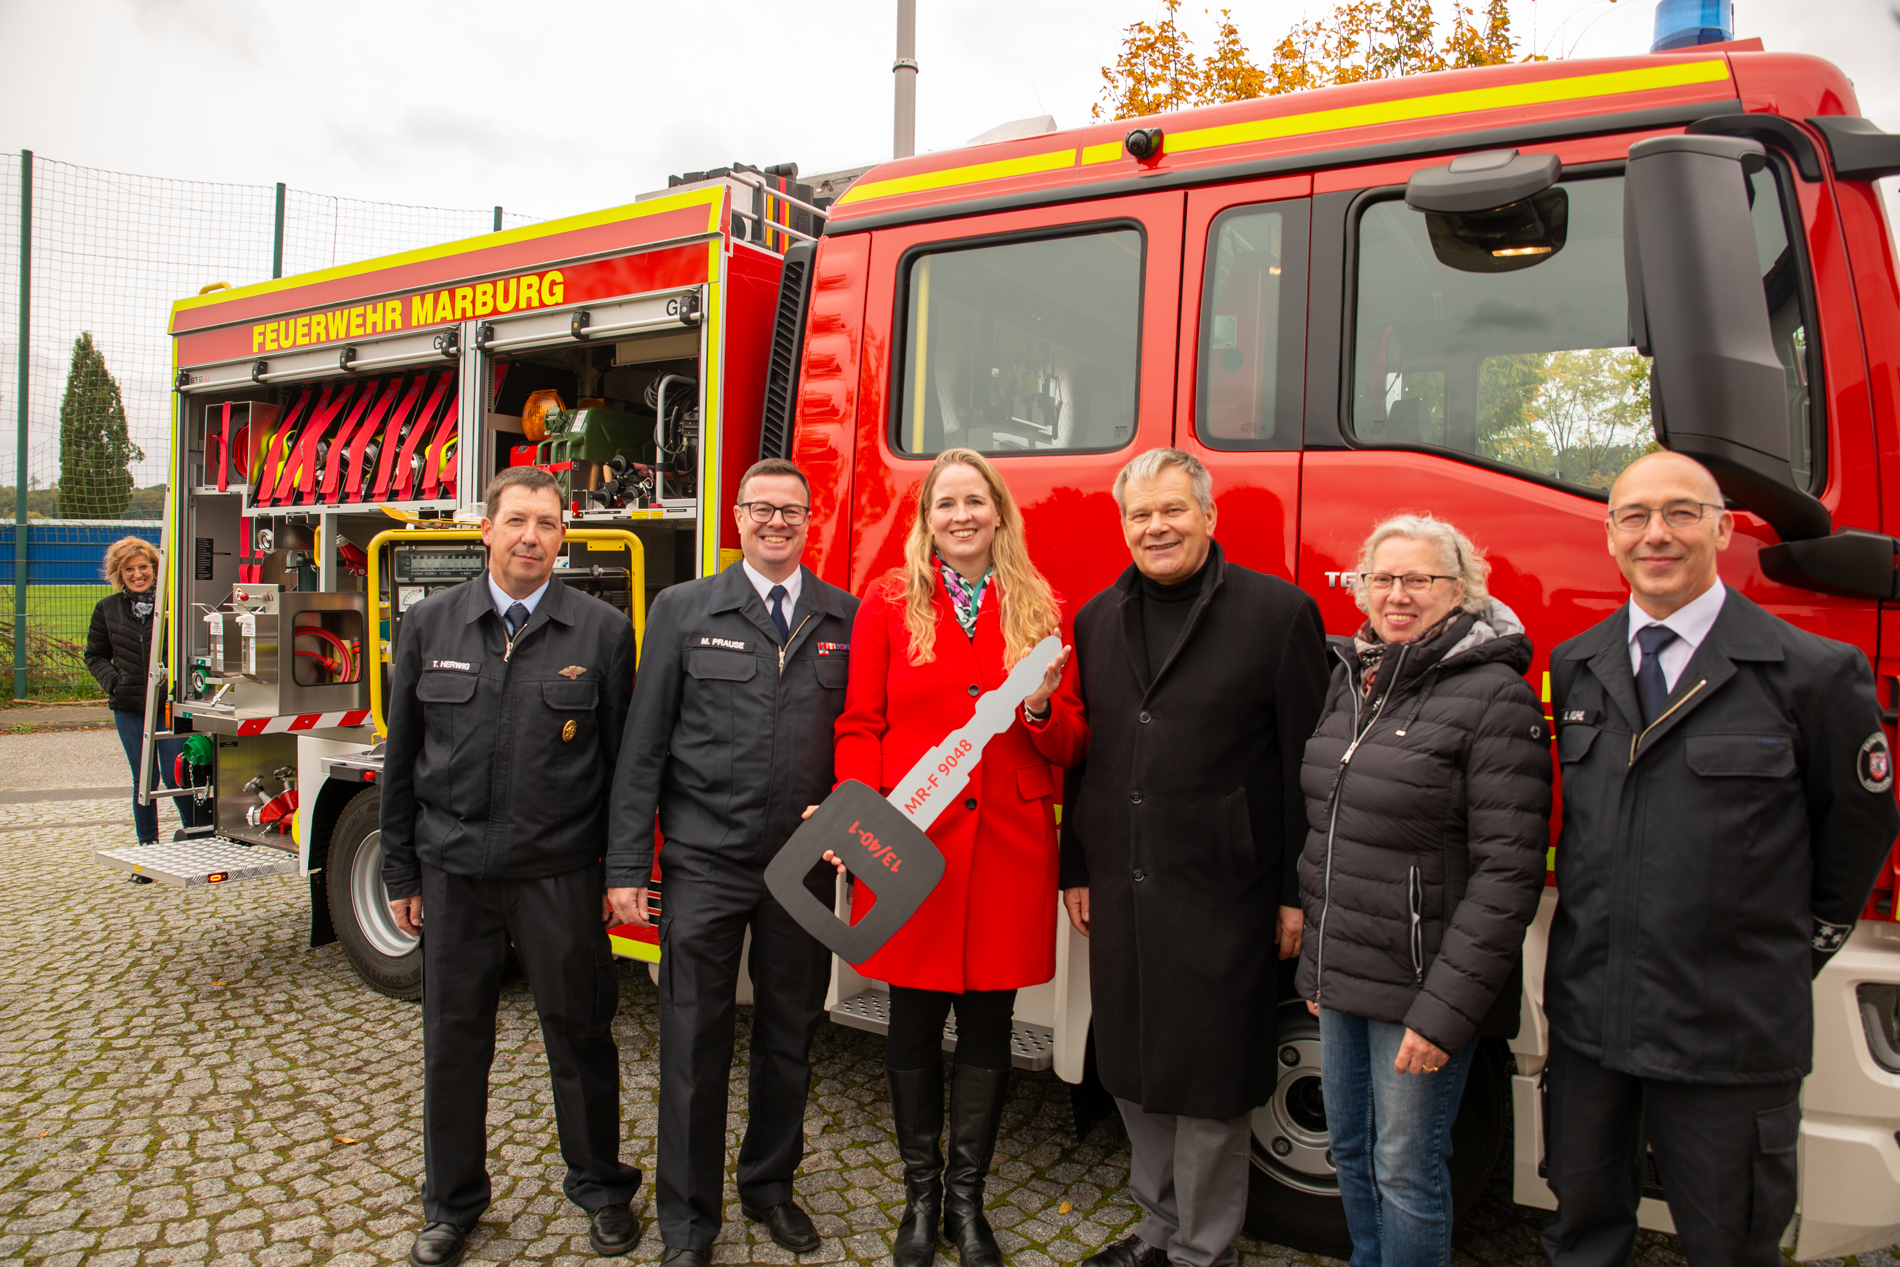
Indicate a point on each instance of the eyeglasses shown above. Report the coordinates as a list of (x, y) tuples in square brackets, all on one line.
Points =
[(762, 512), (1414, 582), (1675, 515)]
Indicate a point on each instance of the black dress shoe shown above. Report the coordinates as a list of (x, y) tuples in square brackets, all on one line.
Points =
[(790, 1226), (682, 1258), (613, 1230), (1133, 1252), (439, 1245)]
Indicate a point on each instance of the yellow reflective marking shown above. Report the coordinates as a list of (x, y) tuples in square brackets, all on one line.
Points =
[(1027, 165), (1546, 686), (1107, 152), (923, 348), (1543, 92)]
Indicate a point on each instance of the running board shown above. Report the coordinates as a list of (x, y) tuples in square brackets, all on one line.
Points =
[(190, 864), (1031, 1046)]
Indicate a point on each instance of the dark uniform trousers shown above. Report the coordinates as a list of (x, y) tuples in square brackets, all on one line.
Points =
[(556, 928), (706, 907), (1725, 1154)]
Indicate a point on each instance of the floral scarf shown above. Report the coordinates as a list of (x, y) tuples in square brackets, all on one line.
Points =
[(1372, 651), (966, 599)]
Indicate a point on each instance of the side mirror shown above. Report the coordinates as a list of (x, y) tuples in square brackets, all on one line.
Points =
[(1718, 390)]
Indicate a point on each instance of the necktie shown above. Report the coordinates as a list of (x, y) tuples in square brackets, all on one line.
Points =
[(517, 617), (1651, 689), (777, 595)]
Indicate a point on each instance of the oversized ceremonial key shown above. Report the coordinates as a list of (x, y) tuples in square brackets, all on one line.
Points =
[(881, 840)]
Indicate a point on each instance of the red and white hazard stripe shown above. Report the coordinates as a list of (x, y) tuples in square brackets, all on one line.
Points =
[(303, 721)]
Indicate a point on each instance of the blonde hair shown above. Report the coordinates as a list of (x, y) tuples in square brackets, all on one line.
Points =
[(1466, 560), (120, 552), (1026, 604)]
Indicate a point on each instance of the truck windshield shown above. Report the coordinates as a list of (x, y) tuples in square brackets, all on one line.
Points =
[(1534, 366), (1022, 346)]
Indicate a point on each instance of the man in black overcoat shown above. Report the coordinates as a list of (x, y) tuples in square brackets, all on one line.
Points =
[(1728, 799), (1180, 833)]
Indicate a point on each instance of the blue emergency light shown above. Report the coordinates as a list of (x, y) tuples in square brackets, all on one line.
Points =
[(1687, 23)]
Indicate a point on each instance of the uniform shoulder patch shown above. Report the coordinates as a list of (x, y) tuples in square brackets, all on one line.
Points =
[(1874, 764)]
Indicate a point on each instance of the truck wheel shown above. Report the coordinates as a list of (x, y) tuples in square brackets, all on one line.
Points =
[(1293, 1199), (388, 959)]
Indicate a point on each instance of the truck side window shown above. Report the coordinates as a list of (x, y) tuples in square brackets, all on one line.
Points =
[(1022, 346), (1253, 329), (1522, 353), (1783, 280)]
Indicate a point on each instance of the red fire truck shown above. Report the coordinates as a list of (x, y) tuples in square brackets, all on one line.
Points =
[(1475, 293)]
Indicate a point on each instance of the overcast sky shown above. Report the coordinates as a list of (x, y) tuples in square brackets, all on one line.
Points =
[(549, 108)]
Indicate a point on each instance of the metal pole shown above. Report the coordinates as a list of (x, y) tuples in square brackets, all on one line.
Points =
[(904, 136), (20, 456), (277, 241), (498, 219)]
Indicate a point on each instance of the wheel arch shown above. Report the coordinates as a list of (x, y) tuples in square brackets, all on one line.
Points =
[(332, 799)]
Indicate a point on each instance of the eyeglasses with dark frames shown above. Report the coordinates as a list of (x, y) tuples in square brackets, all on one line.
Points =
[(762, 512), (1414, 582)]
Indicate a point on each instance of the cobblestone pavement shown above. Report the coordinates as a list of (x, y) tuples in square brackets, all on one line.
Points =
[(183, 1081)]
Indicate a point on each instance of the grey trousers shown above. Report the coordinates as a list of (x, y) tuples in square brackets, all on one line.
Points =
[(1190, 1174)]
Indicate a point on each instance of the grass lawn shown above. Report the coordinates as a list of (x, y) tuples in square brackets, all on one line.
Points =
[(57, 617)]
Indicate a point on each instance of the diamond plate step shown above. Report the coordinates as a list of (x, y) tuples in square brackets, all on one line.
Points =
[(1031, 1046), (188, 864)]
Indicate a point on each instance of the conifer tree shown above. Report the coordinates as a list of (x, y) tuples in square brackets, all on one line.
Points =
[(95, 449)]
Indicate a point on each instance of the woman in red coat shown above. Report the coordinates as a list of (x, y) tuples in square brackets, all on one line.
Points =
[(930, 636)]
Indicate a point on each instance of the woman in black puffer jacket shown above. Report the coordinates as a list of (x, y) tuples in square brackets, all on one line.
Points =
[(118, 649), (1428, 796)]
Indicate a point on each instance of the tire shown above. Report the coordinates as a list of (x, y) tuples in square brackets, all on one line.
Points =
[(1293, 1197), (388, 959)]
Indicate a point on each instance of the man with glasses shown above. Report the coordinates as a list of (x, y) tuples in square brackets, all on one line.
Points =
[(741, 678), (1727, 800)]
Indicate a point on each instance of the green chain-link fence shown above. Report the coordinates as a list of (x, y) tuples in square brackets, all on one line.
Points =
[(89, 386)]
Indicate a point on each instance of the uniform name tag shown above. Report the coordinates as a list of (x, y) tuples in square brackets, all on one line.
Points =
[(724, 644), (457, 666), (1580, 717), (833, 648)]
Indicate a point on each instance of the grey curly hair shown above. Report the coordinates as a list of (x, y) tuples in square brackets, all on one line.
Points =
[(1462, 559)]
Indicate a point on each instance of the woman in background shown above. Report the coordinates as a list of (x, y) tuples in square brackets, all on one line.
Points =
[(118, 652)]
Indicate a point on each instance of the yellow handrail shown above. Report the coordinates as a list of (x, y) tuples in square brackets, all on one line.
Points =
[(636, 583)]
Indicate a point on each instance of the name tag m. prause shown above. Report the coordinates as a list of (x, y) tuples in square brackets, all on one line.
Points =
[(881, 840)]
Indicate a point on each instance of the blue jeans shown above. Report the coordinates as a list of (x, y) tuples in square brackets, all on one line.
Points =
[(1391, 1141), (132, 739)]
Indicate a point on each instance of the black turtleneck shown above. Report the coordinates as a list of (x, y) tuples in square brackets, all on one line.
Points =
[(1164, 614)]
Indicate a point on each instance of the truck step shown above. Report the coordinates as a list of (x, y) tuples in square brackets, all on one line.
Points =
[(1031, 1046), (188, 864)]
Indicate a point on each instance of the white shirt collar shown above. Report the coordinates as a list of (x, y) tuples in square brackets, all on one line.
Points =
[(503, 600), (1692, 621), (763, 583)]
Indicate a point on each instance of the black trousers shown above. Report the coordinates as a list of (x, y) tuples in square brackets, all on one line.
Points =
[(1726, 1156), (984, 1028), (705, 911), (558, 936)]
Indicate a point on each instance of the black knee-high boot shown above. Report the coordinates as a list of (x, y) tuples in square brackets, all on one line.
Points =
[(917, 1108), (976, 1111)]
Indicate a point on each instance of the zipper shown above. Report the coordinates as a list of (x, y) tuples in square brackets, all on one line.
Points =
[(786, 645), (1637, 741), (1332, 820), (1415, 898)]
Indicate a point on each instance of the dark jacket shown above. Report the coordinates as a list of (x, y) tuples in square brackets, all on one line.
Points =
[(119, 651), (730, 737), (482, 775), (1184, 820), (1704, 861), (1428, 815)]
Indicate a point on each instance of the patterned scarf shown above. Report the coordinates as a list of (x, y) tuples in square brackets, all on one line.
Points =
[(141, 605), (966, 599), (1372, 651)]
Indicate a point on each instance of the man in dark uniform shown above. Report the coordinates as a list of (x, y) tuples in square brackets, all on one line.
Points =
[(742, 676), (1728, 798), (506, 701)]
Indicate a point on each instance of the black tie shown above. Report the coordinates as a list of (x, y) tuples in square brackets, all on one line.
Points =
[(1651, 689), (517, 617), (777, 596)]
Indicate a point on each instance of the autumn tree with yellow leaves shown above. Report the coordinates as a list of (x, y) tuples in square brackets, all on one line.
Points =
[(1158, 69)]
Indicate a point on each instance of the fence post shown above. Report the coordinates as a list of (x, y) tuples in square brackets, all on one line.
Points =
[(498, 219), (277, 238), (19, 465)]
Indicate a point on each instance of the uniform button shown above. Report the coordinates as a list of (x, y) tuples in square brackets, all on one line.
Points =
[(1146, 718), (1135, 797), (975, 689), (1140, 875), (969, 802)]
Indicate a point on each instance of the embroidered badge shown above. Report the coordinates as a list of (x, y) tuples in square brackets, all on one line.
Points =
[(724, 644), (568, 732), (1875, 764), (572, 671), (833, 648), (1580, 717), (1829, 938), (457, 666)]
